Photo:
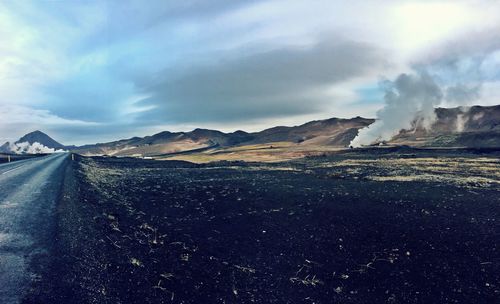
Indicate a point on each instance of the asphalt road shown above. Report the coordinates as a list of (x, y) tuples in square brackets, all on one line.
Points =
[(29, 190)]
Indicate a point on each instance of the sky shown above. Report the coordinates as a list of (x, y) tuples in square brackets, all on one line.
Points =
[(95, 71)]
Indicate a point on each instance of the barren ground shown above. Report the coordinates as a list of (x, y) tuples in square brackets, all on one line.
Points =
[(353, 227)]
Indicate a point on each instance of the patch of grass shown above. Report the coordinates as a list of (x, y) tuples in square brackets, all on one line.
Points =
[(272, 152)]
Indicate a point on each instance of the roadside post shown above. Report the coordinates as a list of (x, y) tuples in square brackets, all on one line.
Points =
[(72, 156), (8, 157)]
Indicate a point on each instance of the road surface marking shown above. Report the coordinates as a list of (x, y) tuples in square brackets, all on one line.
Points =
[(12, 169)]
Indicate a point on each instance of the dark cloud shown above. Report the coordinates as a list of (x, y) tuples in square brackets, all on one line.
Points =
[(271, 84), (471, 44), (97, 133), (94, 95), (468, 57), (134, 19), (463, 64), (463, 94)]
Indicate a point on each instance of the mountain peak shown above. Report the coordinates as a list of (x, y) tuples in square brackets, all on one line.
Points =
[(41, 138), (35, 133)]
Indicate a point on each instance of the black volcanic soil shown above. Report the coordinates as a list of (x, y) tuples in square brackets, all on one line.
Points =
[(350, 228)]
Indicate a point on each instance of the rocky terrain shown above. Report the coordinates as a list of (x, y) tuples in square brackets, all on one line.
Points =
[(457, 127), (397, 225)]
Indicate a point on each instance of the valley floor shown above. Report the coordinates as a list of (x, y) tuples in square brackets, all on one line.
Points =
[(353, 227)]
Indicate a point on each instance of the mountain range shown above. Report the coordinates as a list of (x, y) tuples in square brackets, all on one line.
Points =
[(336, 132), (476, 126)]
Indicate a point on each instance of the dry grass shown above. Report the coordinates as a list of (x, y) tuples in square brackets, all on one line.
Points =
[(463, 171), (273, 152)]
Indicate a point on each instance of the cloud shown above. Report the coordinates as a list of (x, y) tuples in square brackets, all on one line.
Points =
[(470, 44), (462, 94), (16, 121), (271, 84), (226, 63), (92, 95)]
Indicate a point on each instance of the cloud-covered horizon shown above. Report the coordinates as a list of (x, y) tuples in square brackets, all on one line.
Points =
[(102, 70)]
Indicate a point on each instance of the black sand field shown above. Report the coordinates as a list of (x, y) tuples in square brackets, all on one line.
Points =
[(357, 227)]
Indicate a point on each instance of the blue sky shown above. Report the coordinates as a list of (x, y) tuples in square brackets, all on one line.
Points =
[(93, 71)]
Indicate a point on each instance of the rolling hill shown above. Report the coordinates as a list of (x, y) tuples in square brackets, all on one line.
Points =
[(476, 126), (332, 132)]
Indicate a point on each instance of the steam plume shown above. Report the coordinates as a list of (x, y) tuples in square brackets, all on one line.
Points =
[(35, 148), (410, 98)]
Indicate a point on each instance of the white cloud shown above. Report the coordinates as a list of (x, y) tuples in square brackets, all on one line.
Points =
[(490, 93), (94, 55), (17, 120), (20, 114), (418, 24)]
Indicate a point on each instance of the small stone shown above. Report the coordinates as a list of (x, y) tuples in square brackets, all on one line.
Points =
[(135, 262)]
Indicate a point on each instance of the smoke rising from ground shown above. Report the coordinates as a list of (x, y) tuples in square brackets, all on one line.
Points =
[(410, 98), (35, 148)]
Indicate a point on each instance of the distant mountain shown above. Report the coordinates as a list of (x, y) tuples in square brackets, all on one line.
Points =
[(5, 148), (330, 132), (33, 143), (41, 138), (475, 126), (165, 143), (333, 132)]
